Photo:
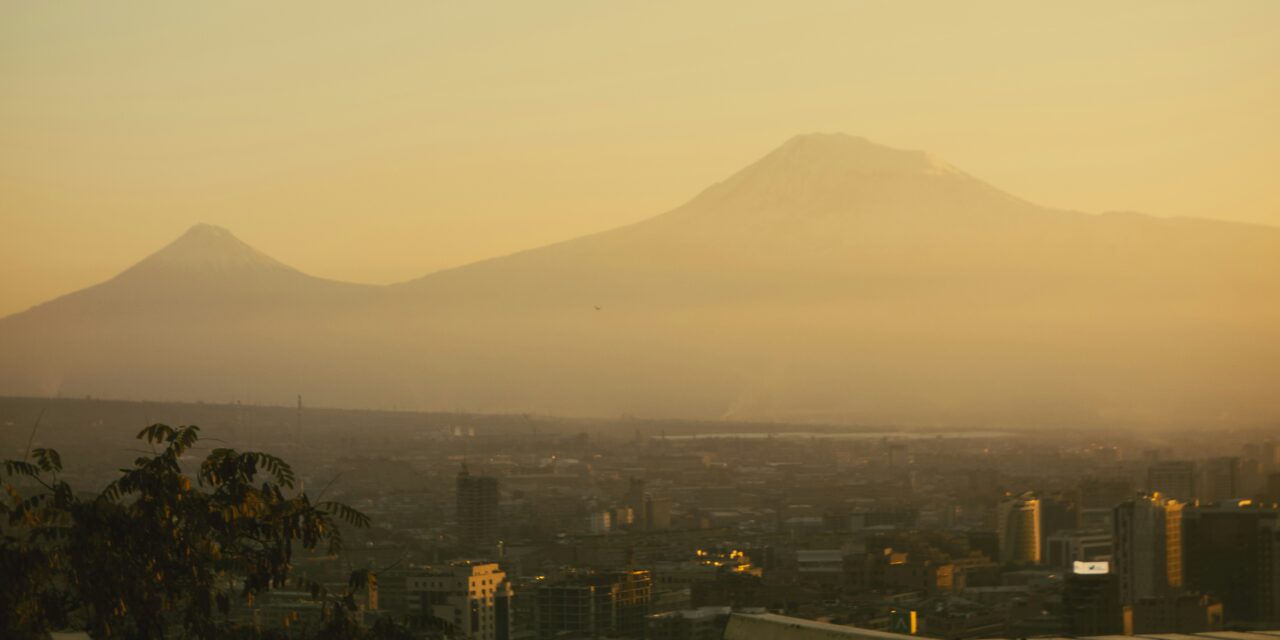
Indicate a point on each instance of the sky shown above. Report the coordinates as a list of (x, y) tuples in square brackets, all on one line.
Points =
[(378, 143)]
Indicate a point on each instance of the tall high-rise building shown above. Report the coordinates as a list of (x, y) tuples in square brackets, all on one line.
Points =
[(635, 501), (595, 605), (1147, 547), (464, 599), (1018, 526), (1175, 479), (1222, 479), (1058, 512), (1090, 604), (649, 513), (477, 510), (1230, 551)]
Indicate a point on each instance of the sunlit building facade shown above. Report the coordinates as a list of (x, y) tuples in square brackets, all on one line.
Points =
[(1018, 527), (1148, 547)]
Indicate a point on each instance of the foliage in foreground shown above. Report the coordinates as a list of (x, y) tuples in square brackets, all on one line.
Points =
[(159, 552)]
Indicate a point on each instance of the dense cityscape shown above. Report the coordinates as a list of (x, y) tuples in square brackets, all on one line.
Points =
[(536, 527)]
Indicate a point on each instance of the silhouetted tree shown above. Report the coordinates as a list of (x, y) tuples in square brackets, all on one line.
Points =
[(159, 552)]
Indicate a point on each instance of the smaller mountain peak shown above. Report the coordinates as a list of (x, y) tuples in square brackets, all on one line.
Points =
[(207, 247), (204, 229), (205, 236), (824, 138)]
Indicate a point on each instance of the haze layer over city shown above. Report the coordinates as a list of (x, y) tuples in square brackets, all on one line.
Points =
[(609, 320)]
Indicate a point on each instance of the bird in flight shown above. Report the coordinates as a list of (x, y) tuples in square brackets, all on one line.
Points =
[(598, 307)]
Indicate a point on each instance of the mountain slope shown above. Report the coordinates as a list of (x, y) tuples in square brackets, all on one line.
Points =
[(205, 317), (838, 279), (833, 279), (828, 210), (207, 266)]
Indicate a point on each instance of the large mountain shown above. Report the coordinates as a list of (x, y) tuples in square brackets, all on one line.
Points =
[(833, 279)]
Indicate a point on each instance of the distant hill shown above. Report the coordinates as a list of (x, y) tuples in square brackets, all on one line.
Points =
[(832, 280), (205, 317)]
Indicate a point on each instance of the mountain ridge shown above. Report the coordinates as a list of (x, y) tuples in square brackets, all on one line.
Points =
[(833, 276), (232, 250)]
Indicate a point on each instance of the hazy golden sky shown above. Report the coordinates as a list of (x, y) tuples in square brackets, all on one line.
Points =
[(378, 142)]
